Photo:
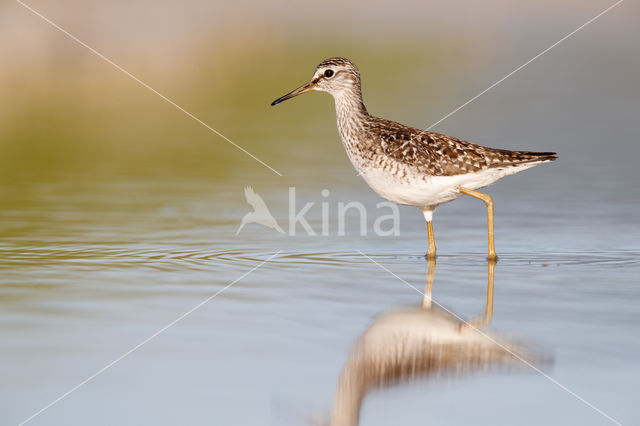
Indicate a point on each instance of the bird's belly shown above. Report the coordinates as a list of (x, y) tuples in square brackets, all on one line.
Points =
[(419, 191), (416, 189)]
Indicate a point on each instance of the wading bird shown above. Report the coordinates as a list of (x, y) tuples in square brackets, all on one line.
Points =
[(410, 166)]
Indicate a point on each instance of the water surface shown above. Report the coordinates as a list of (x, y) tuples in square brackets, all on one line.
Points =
[(91, 269)]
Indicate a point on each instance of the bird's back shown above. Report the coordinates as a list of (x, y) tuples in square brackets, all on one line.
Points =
[(435, 154)]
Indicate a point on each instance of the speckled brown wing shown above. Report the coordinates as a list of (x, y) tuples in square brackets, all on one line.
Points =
[(436, 154)]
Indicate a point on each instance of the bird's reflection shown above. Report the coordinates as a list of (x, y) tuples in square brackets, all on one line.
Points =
[(428, 341)]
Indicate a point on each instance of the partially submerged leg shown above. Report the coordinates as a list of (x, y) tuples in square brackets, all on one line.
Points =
[(431, 251), (489, 202)]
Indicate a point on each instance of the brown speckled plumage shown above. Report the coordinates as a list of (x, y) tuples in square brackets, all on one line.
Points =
[(439, 155), (410, 166), (433, 154)]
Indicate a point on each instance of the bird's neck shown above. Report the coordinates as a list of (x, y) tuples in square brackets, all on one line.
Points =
[(351, 115), (352, 387)]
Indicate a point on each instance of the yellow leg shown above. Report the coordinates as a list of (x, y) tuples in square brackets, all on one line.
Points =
[(431, 251), (489, 202), (431, 265)]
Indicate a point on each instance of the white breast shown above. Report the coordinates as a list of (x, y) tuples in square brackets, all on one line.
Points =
[(405, 185)]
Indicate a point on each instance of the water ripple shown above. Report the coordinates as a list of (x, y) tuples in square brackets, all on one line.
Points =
[(202, 257)]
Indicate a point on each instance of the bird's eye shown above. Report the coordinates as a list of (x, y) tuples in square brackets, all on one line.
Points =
[(328, 73)]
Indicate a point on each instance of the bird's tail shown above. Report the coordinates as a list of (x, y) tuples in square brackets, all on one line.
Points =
[(514, 158), (538, 156)]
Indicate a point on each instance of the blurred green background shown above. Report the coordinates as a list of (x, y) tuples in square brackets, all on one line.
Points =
[(64, 111)]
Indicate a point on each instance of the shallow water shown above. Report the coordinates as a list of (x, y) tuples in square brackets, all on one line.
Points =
[(117, 221), (91, 270)]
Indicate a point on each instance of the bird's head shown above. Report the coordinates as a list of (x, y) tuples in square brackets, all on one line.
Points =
[(336, 76)]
